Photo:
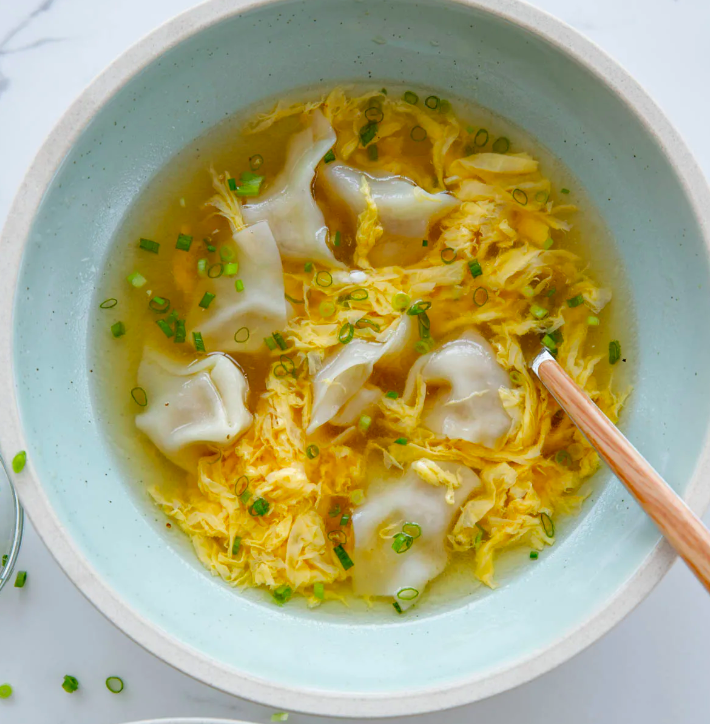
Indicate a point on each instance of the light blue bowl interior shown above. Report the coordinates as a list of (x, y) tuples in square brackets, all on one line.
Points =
[(270, 51)]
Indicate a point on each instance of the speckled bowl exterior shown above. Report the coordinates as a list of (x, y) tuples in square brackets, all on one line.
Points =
[(155, 100)]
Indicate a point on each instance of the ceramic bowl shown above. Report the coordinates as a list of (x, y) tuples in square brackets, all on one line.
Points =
[(159, 97)]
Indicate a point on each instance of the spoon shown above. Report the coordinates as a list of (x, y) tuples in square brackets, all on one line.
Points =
[(680, 526)]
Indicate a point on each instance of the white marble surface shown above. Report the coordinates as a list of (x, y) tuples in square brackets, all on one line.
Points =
[(652, 668)]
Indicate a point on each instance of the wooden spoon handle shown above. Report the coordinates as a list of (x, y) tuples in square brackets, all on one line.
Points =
[(681, 527)]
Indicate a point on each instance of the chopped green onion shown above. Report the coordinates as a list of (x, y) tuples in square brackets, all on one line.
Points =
[(411, 98), (397, 607), (365, 322), (279, 716), (226, 253), (118, 329), (256, 161), (20, 579), (425, 242), (407, 594), (278, 338), (418, 308), (424, 345), (114, 684), (402, 542), (231, 269), (319, 590), (481, 138), (207, 299), (165, 327), (312, 452), (245, 497), (547, 244), (374, 114), (329, 157), (547, 525), (564, 191), (210, 247), (250, 184), (401, 301), (528, 292), (344, 520), (562, 457), (270, 343), (538, 312), (448, 255), (326, 309), (367, 133), (241, 335), (549, 342), (336, 241), (337, 537), (172, 317), (70, 684), (308, 266), (241, 485), (475, 268), (239, 285), (392, 395), (215, 270), (232, 183), (202, 265), (432, 102), (412, 529), (159, 304), (343, 557), (541, 197), (614, 351), (470, 129), (358, 295), (401, 441), (259, 507), (139, 396), (334, 512), (364, 423), (593, 321), (5, 691), (347, 331), (236, 545), (293, 300), (108, 303), (533, 555), (424, 325), (373, 152), (515, 377), (183, 242), (501, 145), (552, 292), (198, 341), (281, 595), (4, 560), (520, 196), (324, 279), (357, 496), (148, 245), (418, 134), (575, 301), (137, 280), (19, 461)]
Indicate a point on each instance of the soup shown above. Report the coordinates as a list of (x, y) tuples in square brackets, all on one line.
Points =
[(319, 321)]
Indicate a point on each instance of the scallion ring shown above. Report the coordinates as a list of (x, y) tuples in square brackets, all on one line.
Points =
[(241, 335), (346, 334), (365, 322), (337, 537), (407, 594), (326, 309), (358, 295), (312, 452), (432, 102), (108, 303), (547, 525), (256, 162), (480, 296), (515, 377), (481, 138), (259, 507), (418, 134), (541, 197), (215, 270), (501, 145), (280, 371), (402, 542), (374, 114), (401, 301), (139, 396), (411, 98), (287, 362), (418, 308), (241, 485), (323, 278), (114, 684), (448, 255), (159, 304), (562, 457), (412, 529), (520, 196)]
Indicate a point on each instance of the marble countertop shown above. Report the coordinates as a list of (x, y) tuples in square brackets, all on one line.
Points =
[(650, 668)]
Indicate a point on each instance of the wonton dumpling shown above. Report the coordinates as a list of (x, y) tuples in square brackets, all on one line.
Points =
[(293, 215), (261, 307), (470, 407), (192, 409), (404, 209), (345, 373), (378, 569), (360, 403)]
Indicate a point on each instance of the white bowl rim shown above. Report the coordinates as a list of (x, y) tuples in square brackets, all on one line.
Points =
[(160, 643), (190, 720)]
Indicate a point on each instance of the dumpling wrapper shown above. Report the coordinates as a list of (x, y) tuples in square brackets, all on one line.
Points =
[(261, 307), (469, 406), (394, 500), (192, 409), (404, 209), (346, 372), (362, 402), (293, 215)]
